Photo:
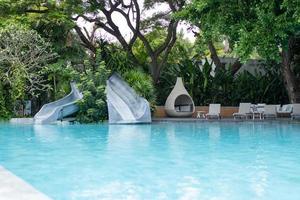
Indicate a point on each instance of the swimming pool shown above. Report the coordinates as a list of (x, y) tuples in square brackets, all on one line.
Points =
[(186, 161)]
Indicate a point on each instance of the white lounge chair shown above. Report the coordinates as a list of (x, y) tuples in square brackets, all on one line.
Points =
[(257, 110), (260, 107), (278, 108), (214, 111), (296, 111), (285, 109), (244, 111), (270, 111)]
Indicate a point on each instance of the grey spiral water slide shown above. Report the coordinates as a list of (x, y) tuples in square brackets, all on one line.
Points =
[(124, 105), (59, 109)]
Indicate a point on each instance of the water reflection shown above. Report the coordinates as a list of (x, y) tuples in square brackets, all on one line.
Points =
[(214, 133), (46, 132), (128, 136)]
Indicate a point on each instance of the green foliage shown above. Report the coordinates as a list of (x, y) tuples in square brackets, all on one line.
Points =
[(56, 28), (23, 55), (116, 59), (186, 69), (155, 37), (264, 28), (267, 88), (183, 49), (260, 26), (5, 103), (142, 83), (47, 18), (59, 75), (92, 108), (223, 87)]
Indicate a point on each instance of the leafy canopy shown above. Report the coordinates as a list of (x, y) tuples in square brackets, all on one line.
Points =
[(257, 25), (23, 55)]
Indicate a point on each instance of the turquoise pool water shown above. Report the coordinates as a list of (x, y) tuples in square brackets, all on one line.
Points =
[(184, 161)]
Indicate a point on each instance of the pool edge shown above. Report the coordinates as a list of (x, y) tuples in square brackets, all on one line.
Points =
[(13, 187)]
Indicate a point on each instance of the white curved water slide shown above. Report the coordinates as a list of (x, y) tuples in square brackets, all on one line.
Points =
[(124, 105), (59, 109)]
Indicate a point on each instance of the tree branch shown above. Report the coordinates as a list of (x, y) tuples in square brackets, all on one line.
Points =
[(37, 11), (172, 28), (86, 42)]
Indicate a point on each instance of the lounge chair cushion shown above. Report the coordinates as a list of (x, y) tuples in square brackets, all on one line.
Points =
[(185, 108), (286, 109), (239, 114), (213, 114), (296, 111)]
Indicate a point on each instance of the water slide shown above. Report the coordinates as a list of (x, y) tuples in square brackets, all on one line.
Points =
[(59, 109), (124, 105)]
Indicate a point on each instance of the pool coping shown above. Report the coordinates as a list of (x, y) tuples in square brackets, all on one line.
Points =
[(286, 120), (13, 187), (29, 121)]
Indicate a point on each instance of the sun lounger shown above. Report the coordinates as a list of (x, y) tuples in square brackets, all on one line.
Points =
[(270, 111), (214, 111), (296, 111), (244, 111), (257, 110), (278, 108), (285, 110), (260, 107)]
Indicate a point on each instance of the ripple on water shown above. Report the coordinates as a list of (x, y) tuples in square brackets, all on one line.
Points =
[(184, 161)]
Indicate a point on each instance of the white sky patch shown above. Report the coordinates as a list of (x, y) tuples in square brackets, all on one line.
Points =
[(120, 21)]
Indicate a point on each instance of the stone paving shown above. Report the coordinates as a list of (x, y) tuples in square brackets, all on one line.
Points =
[(14, 188)]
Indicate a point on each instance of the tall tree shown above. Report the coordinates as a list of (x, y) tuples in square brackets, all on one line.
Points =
[(267, 27), (48, 19), (101, 14), (55, 27), (23, 54)]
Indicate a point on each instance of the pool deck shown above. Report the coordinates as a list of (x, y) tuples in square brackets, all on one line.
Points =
[(14, 188), (167, 119)]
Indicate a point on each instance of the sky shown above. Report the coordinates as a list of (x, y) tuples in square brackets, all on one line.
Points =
[(121, 23)]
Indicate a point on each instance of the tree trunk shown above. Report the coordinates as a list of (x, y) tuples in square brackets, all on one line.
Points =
[(236, 66), (290, 81), (214, 56), (155, 70), (54, 84), (219, 65)]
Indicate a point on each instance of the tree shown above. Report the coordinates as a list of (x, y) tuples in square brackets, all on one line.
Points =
[(55, 27), (23, 54), (100, 13), (92, 108), (267, 27)]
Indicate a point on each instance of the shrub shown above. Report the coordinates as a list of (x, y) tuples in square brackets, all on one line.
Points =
[(224, 88), (23, 55), (92, 108), (142, 83), (5, 108)]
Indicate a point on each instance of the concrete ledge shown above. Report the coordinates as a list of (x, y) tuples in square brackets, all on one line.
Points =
[(14, 188), (226, 111), (21, 120)]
